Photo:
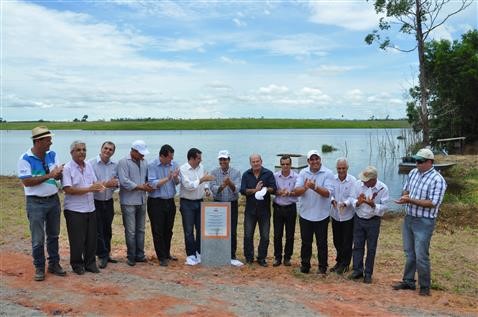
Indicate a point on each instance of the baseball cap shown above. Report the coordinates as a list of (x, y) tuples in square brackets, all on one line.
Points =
[(312, 152), (424, 154), (223, 154), (370, 172), (140, 146)]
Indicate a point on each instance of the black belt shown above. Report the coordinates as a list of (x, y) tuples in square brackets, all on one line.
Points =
[(283, 206), (43, 198), (368, 219), (193, 200), (167, 199)]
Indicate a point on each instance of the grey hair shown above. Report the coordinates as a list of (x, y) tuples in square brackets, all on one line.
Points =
[(75, 143), (255, 155), (342, 159)]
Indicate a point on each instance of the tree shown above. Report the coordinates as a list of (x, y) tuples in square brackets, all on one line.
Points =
[(418, 18), (84, 118)]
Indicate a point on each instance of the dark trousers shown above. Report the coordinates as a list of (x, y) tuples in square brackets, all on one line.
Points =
[(262, 217), (104, 218), (161, 213), (234, 217), (365, 231), (81, 228), (284, 216), (307, 231), (191, 217), (343, 238)]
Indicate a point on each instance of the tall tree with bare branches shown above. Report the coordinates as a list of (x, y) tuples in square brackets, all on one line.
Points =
[(417, 18)]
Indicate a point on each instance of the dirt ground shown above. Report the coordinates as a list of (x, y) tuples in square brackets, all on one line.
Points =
[(179, 290)]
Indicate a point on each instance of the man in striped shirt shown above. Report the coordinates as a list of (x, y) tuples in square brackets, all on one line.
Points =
[(423, 193)]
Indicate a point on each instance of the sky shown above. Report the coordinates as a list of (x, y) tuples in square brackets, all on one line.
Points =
[(61, 60)]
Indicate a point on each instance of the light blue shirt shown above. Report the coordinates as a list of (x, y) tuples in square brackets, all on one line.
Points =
[(157, 171), (104, 172), (312, 206), (132, 174)]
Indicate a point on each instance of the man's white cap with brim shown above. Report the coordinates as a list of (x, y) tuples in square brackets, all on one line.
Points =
[(141, 147), (223, 154), (424, 154), (312, 152)]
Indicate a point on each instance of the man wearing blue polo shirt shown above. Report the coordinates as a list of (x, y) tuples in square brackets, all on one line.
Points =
[(38, 170), (423, 193)]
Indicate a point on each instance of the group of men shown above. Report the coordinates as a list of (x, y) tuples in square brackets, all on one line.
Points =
[(315, 193)]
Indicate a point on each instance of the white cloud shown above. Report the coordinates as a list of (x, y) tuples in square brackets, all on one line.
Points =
[(239, 23), (273, 89), (233, 61), (352, 15)]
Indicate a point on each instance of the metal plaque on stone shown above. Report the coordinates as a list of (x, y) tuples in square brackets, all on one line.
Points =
[(215, 233)]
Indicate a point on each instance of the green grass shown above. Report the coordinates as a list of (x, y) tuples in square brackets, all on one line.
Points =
[(209, 124)]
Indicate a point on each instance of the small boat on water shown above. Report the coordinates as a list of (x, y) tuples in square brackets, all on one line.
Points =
[(408, 163)]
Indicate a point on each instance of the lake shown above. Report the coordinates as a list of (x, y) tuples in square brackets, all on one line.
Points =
[(362, 147)]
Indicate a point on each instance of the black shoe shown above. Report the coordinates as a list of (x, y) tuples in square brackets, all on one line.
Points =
[(355, 275), (276, 263), (287, 262), (367, 279), (249, 261), (304, 269), (334, 268), (144, 260), (424, 291), (163, 262), (403, 285), (262, 263), (92, 268), (131, 262), (322, 271), (103, 263), (342, 269), (112, 260), (172, 258), (39, 274), (56, 269), (79, 270)]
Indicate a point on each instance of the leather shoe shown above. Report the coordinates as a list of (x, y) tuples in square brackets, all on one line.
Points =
[(172, 258), (322, 271), (276, 263), (287, 262), (56, 269), (131, 262), (249, 261), (304, 270), (424, 291), (262, 263), (141, 260), (403, 285), (39, 274), (367, 279), (112, 260), (103, 263), (334, 268), (342, 269), (355, 275), (163, 262), (79, 270), (92, 269)]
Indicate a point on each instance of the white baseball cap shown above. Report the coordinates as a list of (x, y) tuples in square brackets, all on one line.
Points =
[(370, 172), (312, 152), (140, 146), (223, 154), (424, 154)]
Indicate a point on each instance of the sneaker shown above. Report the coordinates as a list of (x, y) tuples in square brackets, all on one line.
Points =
[(367, 279), (56, 269), (198, 257), (355, 275), (235, 262), (287, 262), (191, 260), (403, 285), (103, 263), (276, 263), (39, 274), (424, 291)]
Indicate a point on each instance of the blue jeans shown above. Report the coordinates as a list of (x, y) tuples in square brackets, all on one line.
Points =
[(191, 216), (417, 233), (133, 220), (44, 217), (263, 217)]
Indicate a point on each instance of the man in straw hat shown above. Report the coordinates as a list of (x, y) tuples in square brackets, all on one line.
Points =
[(423, 193), (372, 195), (38, 169)]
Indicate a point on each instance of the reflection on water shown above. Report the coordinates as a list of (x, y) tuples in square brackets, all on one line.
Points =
[(362, 147)]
